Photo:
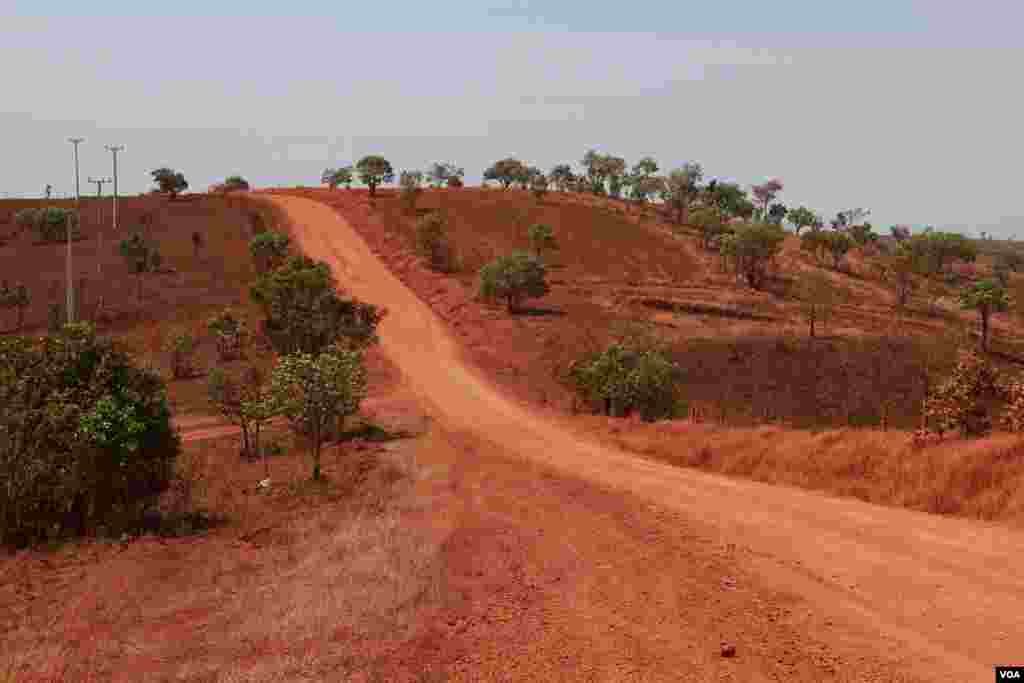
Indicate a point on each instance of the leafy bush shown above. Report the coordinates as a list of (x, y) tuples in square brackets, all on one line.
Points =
[(313, 392), (141, 255), (433, 243), (627, 377), (50, 223), (332, 177), (181, 346), (541, 237), (961, 403), (231, 334), (235, 183), (514, 278), (245, 400), (269, 250), (304, 312), (986, 297), (85, 436), (750, 248)]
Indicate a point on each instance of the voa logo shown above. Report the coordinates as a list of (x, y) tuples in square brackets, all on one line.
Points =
[(1009, 675)]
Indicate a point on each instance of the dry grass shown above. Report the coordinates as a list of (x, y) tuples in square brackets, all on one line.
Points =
[(304, 581), (981, 479)]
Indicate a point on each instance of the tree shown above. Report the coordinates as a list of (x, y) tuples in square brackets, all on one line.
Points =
[(332, 177), (986, 297), (245, 400), (539, 186), (235, 183), (642, 189), (231, 333), (50, 223), (562, 177), (845, 220), (441, 174), (777, 213), (709, 224), (765, 194), (304, 312), (802, 217), (86, 436), (615, 171), (269, 250), (900, 271), (862, 234), (729, 198), (934, 250), (16, 297), (411, 184), (313, 392), (681, 189), (900, 232), (751, 247), (374, 170), (168, 181), (432, 242), (542, 237), (838, 245), (141, 255), (817, 298), (514, 278), (506, 172)]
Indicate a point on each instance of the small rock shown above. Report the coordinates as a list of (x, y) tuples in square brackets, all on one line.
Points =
[(728, 650)]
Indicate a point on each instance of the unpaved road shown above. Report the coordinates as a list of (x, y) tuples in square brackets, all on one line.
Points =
[(943, 596)]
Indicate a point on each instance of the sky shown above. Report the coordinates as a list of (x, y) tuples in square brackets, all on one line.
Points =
[(908, 108)]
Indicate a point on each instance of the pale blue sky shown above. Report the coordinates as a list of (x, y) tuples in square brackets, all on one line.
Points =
[(908, 108)]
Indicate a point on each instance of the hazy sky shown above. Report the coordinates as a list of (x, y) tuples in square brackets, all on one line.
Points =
[(911, 109)]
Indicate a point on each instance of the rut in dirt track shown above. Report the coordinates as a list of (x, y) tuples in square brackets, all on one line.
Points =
[(947, 593)]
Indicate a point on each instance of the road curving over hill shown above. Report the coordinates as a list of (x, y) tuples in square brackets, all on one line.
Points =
[(946, 593)]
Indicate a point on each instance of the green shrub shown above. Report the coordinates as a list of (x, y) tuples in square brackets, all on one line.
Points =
[(433, 243), (628, 376), (181, 346), (231, 333), (513, 278), (269, 250), (85, 436), (50, 223)]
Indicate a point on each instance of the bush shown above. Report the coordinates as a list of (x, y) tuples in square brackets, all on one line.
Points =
[(514, 278), (304, 312), (231, 334), (51, 223), (182, 346), (85, 436), (750, 248), (269, 250), (627, 377), (16, 297), (433, 244), (962, 402), (411, 184)]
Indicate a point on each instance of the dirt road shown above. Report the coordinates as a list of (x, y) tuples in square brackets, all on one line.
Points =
[(942, 597)]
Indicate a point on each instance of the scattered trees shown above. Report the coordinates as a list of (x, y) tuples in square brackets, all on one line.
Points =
[(332, 177), (141, 255), (986, 297), (169, 182), (314, 391), (374, 170), (513, 278), (562, 177), (85, 436)]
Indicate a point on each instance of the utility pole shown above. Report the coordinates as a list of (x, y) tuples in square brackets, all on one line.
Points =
[(78, 216), (99, 182), (114, 149)]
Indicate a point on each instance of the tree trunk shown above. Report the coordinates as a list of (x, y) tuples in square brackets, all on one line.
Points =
[(139, 277), (984, 330), (246, 452), (316, 452), (256, 445)]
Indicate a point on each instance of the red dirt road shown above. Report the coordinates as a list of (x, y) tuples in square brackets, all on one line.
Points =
[(893, 594)]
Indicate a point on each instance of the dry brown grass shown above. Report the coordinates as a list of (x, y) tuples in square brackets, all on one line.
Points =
[(981, 479), (304, 581)]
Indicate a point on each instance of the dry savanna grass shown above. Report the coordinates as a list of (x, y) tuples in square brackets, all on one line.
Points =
[(297, 582), (979, 478)]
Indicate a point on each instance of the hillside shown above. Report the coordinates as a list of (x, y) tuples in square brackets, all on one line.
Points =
[(745, 354)]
